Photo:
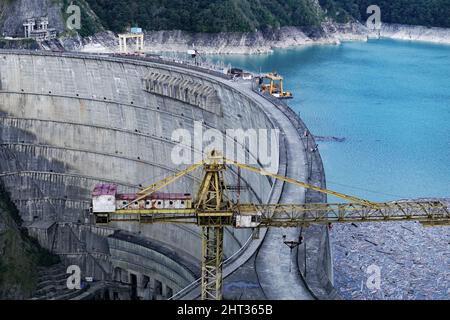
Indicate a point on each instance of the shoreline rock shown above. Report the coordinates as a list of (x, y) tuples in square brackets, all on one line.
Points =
[(260, 42), (413, 33)]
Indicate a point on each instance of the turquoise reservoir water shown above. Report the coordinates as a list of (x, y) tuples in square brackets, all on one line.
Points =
[(390, 100)]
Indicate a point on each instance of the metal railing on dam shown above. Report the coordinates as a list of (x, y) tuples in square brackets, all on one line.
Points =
[(318, 276), (119, 58)]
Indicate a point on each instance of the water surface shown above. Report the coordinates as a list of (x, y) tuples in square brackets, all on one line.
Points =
[(389, 99)]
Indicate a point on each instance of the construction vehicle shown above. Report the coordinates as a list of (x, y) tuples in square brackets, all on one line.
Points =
[(272, 83), (213, 209)]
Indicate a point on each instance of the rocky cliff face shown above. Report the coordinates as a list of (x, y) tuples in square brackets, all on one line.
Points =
[(228, 42), (14, 12), (244, 43), (261, 41), (20, 255)]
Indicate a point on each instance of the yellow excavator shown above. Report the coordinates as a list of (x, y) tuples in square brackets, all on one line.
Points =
[(272, 83)]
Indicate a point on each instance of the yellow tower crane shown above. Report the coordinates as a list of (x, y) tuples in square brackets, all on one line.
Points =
[(213, 210)]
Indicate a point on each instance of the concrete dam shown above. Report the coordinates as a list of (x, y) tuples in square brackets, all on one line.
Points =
[(69, 121)]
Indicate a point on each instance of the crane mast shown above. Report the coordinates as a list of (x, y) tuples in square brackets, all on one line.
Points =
[(214, 211)]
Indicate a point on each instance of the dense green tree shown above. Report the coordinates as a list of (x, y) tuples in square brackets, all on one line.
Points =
[(413, 12), (248, 15), (205, 15)]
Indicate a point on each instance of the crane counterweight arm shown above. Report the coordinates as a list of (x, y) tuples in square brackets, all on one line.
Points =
[(303, 184)]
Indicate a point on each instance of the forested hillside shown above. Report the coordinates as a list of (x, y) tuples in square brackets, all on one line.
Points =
[(20, 255), (206, 15), (250, 15), (412, 12)]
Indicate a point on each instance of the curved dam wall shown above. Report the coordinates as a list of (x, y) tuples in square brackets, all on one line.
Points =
[(70, 121)]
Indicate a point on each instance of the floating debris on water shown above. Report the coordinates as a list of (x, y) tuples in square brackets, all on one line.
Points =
[(329, 139), (414, 261)]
